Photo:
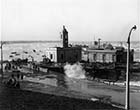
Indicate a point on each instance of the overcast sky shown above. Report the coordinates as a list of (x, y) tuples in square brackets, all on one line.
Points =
[(85, 20)]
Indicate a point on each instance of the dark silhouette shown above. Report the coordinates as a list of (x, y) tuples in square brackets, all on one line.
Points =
[(65, 37)]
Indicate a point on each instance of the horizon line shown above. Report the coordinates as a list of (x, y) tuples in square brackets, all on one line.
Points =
[(52, 41)]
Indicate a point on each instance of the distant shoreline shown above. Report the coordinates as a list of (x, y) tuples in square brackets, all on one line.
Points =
[(17, 42), (59, 41)]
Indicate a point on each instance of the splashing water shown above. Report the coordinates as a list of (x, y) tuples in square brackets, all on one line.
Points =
[(75, 71)]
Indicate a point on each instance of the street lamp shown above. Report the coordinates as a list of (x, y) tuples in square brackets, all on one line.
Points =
[(127, 71), (2, 57)]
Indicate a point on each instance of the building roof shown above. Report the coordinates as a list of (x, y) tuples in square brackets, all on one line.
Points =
[(101, 51), (61, 48)]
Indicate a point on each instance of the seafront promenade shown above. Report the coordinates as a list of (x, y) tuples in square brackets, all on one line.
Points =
[(35, 96), (59, 85)]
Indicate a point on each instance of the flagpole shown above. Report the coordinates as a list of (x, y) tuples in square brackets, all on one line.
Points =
[(127, 100)]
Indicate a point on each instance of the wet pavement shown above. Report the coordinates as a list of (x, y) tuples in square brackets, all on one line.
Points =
[(19, 99), (57, 84), (83, 89)]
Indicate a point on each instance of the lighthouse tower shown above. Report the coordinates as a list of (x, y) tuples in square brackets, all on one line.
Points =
[(65, 37)]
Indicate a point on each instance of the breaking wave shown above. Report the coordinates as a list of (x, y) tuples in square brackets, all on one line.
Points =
[(74, 71)]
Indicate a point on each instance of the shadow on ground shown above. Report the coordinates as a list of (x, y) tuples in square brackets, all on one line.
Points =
[(16, 99)]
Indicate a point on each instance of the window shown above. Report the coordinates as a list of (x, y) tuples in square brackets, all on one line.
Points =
[(110, 57), (76, 56), (94, 57), (113, 58), (62, 56), (100, 58), (104, 60), (51, 56), (107, 57)]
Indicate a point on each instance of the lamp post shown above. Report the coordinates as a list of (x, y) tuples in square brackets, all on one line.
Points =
[(127, 100), (2, 57)]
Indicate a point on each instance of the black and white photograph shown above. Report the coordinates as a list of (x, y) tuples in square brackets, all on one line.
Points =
[(70, 55)]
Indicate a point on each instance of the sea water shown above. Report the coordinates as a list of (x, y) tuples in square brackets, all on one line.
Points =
[(38, 49)]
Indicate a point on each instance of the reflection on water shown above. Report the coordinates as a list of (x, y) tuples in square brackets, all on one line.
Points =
[(61, 82), (17, 99), (56, 80), (63, 85)]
